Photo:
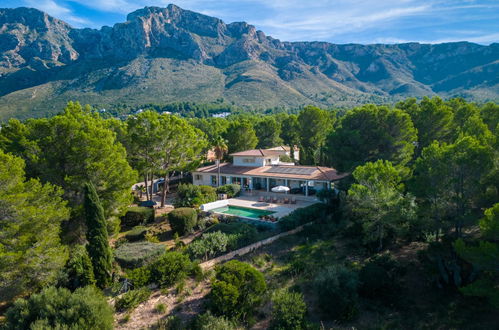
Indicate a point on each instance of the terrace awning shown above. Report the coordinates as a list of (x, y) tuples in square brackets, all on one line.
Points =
[(279, 189)]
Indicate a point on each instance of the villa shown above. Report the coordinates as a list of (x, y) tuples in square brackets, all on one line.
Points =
[(262, 170)]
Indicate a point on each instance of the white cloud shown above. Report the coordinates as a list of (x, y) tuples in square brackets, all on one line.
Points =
[(54, 9)]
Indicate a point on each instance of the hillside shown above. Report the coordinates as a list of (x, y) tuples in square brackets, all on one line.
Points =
[(163, 55)]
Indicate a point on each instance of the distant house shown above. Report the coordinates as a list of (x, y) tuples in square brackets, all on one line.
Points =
[(262, 169)]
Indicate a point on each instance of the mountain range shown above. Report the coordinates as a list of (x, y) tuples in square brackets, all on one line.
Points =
[(163, 55)]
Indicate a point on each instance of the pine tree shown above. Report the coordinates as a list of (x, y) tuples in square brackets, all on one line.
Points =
[(98, 245)]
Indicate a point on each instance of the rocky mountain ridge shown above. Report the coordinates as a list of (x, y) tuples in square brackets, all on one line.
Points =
[(160, 55)]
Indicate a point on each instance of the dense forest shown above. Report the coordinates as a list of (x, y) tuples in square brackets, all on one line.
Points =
[(424, 178)]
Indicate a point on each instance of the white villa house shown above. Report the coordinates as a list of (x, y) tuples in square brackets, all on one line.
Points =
[(261, 169)]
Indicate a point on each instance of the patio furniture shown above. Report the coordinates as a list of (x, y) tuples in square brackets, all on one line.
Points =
[(286, 200), (293, 200), (261, 199), (268, 199), (274, 200)]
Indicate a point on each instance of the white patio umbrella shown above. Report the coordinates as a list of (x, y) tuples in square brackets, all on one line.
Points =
[(280, 189)]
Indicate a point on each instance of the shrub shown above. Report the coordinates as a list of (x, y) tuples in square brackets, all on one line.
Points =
[(113, 226), (128, 301), (171, 268), (232, 190), (288, 310), (208, 245), (189, 195), (140, 276), (336, 287), (132, 255), (183, 220), (379, 278), (160, 308), (58, 308), (240, 234), (237, 290), (136, 216), (208, 321), (136, 234), (314, 212), (79, 268)]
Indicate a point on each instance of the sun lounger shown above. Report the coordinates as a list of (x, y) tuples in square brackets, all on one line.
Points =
[(293, 200), (274, 200), (286, 200), (261, 199)]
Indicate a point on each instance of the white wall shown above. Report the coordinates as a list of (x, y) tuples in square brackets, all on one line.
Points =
[(205, 179), (214, 205)]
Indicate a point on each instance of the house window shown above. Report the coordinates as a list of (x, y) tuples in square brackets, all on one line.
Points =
[(248, 160), (198, 177), (213, 180), (224, 180)]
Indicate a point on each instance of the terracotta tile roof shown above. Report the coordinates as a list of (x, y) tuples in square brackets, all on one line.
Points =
[(258, 153), (281, 171)]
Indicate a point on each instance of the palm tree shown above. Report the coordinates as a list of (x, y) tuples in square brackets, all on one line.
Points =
[(220, 148)]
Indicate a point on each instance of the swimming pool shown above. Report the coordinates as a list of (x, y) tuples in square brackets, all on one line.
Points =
[(239, 211)]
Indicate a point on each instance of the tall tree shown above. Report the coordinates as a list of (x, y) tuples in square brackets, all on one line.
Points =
[(31, 253), (268, 132), (240, 135), (370, 133), (450, 177), (290, 133), (314, 125), (180, 146), (378, 201), (71, 149), (220, 148), (432, 118), (143, 145), (484, 257), (98, 244)]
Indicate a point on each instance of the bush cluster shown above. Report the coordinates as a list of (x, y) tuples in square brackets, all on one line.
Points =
[(137, 233), (232, 190), (136, 216), (239, 234), (380, 278), (208, 245), (336, 287), (237, 290), (315, 212), (170, 268), (208, 321), (58, 308), (288, 310), (132, 255), (128, 301), (183, 220), (189, 195)]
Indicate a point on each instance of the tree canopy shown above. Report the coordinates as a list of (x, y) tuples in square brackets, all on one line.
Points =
[(370, 133), (31, 253)]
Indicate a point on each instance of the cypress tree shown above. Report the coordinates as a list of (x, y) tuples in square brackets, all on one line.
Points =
[(98, 245)]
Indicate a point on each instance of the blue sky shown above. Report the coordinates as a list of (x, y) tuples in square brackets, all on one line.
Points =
[(338, 21)]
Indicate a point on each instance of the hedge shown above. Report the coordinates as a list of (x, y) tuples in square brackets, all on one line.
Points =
[(136, 216), (302, 216), (136, 234), (183, 220), (232, 190), (131, 255)]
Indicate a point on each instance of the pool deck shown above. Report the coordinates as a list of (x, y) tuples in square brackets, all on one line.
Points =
[(280, 210)]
